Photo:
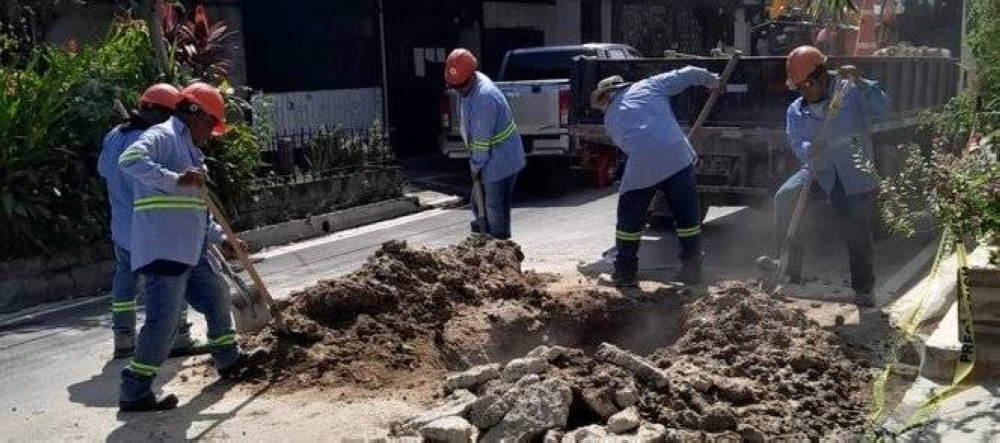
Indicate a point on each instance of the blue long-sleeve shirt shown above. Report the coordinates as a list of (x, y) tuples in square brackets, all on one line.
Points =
[(169, 222), (641, 122), (119, 186), (490, 132), (848, 137)]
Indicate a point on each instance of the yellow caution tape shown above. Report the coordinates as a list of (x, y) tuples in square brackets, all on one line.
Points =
[(967, 357)]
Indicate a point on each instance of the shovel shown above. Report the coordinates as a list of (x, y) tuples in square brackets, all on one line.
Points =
[(249, 312), (260, 289), (772, 280), (479, 200)]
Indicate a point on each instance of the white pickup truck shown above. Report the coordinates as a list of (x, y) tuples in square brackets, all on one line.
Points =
[(536, 82)]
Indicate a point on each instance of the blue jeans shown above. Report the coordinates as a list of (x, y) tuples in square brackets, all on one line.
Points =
[(208, 294), (856, 216), (681, 193), (499, 201), (123, 305)]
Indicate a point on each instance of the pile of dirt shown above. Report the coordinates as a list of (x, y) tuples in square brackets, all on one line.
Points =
[(747, 368), (388, 317)]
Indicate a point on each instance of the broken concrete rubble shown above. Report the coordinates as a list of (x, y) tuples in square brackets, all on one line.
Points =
[(457, 406), (519, 367), (642, 368), (540, 407), (472, 378), (624, 421), (449, 430)]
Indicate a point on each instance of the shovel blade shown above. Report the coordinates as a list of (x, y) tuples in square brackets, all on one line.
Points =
[(250, 314)]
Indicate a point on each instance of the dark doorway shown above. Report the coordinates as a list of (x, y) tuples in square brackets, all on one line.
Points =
[(418, 37), (590, 21), (496, 43)]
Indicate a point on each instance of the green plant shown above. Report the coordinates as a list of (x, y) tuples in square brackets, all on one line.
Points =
[(344, 149), (233, 160), (56, 109)]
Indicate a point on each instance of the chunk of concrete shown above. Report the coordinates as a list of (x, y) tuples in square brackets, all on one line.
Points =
[(624, 421), (487, 411), (548, 353), (626, 397), (600, 400), (539, 407), (553, 436), (449, 430), (592, 432), (458, 405), (651, 433), (643, 369), (472, 378), (520, 367)]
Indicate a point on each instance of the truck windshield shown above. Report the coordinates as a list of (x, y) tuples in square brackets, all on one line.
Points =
[(546, 65)]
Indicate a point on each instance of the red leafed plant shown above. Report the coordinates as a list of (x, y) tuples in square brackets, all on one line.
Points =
[(196, 42)]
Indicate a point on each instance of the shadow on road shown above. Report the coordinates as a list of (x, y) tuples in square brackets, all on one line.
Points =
[(174, 425), (101, 390)]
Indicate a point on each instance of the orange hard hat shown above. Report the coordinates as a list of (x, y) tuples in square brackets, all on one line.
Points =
[(161, 94), (801, 63), (460, 67), (209, 100)]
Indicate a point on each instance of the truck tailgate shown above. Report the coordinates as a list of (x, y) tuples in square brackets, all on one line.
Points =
[(535, 105)]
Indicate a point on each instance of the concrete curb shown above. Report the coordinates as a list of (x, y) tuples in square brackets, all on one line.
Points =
[(319, 225), (86, 280)]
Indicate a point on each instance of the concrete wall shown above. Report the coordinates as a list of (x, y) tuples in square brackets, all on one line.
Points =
[(349, 108), (559, 22)]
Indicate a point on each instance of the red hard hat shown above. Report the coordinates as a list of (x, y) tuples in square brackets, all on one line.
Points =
[(802, 62), (460, 67), (209, 100), (161, 94)]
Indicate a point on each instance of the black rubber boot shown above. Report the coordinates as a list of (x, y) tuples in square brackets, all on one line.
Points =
[(864, 300), (245, 365), (149, 403), (195, 347), (690, 271)]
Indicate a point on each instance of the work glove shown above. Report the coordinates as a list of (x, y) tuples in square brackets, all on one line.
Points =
[(193, 177), (715, 84)]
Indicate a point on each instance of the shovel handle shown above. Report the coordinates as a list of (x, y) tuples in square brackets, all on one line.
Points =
[(240, 253), (716, 93)]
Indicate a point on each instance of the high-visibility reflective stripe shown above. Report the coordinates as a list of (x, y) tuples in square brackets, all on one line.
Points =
[(168, 198), (130, 155), (688, 232), (168, 202), (628, 236), (224, 340), (169, 206), (142, 368), (500, 137), (123, 306)]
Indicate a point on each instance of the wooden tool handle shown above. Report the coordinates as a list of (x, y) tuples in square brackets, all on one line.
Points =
[(240, 253), (707, 109)]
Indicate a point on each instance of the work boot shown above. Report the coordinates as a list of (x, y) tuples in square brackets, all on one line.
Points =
[(618, 280), (124, 344), (149, 403), (189, 347), (246, 364), (690, 271)]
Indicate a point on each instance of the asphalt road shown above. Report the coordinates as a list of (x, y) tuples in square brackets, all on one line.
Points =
[(58, 384)]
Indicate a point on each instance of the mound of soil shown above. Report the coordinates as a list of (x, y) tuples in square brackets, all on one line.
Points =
[(388, 317)]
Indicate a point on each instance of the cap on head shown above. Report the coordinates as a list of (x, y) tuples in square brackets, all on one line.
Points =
[(460, 67), (160, 94), (801, 63), (207, 98), (599, 97)]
